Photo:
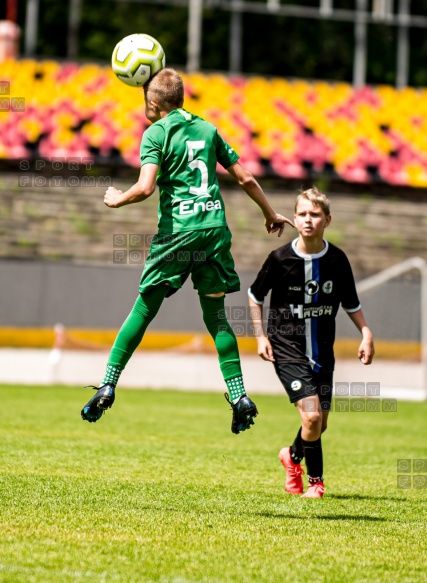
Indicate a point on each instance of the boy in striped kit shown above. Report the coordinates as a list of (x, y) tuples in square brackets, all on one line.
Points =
[(309, 278)]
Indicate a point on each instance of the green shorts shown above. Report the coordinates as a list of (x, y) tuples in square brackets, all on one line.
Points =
[(205, 254)]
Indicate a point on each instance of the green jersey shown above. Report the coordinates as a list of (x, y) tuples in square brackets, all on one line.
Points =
[(187, 149)]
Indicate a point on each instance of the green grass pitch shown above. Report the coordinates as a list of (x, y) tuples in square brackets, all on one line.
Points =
[(160, 490)]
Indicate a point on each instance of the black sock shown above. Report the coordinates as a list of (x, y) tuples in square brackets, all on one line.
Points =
[(313, 459), (297, 452)]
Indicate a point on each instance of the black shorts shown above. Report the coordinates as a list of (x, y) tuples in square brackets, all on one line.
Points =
[(301, 381)]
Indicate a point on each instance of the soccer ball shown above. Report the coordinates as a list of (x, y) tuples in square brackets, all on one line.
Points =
[(136, 58)]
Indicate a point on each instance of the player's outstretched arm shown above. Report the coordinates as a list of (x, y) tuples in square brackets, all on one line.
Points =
[(366, 349), (264, 348), (140, 191), (273, 221)]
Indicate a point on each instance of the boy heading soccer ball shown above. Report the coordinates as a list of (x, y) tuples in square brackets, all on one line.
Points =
[(179, 152)]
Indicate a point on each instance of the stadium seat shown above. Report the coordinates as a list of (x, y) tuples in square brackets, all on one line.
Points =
[(287, 127)]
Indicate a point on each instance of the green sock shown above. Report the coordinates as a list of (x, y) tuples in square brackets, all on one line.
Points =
[(112, 375), (235, 388), (133, 329), (225, 342)]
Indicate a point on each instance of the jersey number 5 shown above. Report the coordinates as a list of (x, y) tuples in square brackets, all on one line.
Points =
[(198, 165)]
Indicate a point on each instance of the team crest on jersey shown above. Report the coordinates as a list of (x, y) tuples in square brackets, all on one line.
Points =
[(327, 287), (311, 287)]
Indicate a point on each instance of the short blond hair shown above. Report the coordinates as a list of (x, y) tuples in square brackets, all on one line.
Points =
[(316, 197), (166, 88)]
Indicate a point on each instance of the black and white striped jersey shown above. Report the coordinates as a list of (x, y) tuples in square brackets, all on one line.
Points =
[(306, 293)]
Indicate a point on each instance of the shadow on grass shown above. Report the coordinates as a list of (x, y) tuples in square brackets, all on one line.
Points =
[(364, 497), (352, 517), (363, 517)]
